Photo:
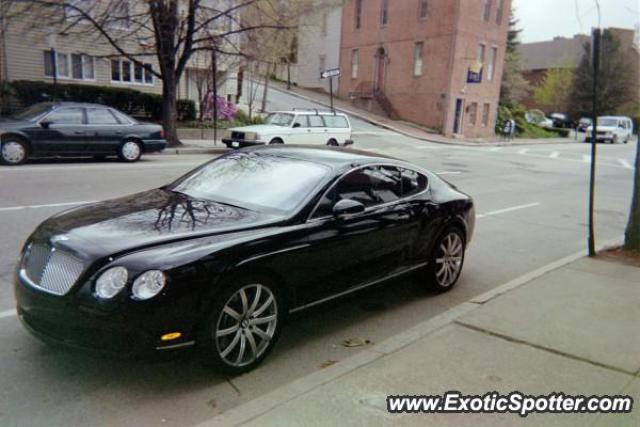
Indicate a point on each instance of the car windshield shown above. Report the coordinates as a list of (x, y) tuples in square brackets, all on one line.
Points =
[(279, 119), (607, 122), (34, 112), (254, 180)]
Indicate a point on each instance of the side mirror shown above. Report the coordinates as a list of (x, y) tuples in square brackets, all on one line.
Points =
[(45, 124), (296, 125), (347, 207)]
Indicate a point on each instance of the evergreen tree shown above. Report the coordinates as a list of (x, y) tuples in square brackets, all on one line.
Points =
[(514, 87)]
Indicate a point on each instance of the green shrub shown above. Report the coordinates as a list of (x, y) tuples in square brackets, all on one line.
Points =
[(524, 129), (127, 100)]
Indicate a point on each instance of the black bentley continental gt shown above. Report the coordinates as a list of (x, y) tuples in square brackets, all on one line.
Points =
[(218, 258), (69, 129)]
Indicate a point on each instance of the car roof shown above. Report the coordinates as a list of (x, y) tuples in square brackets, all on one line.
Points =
[(614, 117), (334, 157), (311, 111), (59, 104)]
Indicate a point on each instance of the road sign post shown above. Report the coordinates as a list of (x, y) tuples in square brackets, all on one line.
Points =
[(330, 74)]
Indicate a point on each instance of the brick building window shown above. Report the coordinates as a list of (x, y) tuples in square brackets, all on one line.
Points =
[(417, 58), (486, 108), (486, 10), (423, 9), (384, 12), (355, 62), (481, 54), (499, 10), (473, 113), (491, 67), (358, 14)]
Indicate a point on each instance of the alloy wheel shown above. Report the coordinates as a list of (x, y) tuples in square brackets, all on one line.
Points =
[(449, 259), (246, 325), (13, 152)]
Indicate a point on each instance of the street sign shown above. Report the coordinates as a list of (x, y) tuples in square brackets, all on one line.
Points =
[(334, 72)]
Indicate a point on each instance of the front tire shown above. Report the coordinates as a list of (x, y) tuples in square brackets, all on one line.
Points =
[(243, 325), (332, 143), (130, 151), (276, 141), (447, 259), (13, 152)]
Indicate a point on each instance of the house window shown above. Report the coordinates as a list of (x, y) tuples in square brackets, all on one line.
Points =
[(499, 12), (358, 14), (481, 49), (384, 12), (82, 67), (126, 71), (486, 10), (473, 113), (129, 72), (138, 73), (48, 62), (485, 114), (355, 62), (62, 64), (422, 9), (417, 58), (115, 70), (491, 67), (148, 75)]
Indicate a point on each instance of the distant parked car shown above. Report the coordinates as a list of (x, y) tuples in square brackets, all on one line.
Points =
[(561, 120), (583, 124), (538, 118), (612, 129), (293, 127), (51, 129)]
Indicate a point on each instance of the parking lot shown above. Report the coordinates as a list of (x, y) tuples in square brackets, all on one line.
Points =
[(531, 206)]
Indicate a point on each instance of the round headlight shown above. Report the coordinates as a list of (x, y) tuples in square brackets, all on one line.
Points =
[(111, 282), (148, 284)]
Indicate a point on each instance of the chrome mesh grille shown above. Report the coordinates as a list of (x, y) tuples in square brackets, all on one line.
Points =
[(52, 270)]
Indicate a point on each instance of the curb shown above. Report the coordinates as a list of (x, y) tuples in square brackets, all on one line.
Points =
[(190, 150), (253, 409), (410, 135)]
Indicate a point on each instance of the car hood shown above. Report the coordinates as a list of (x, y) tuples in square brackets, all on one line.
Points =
[(11, 123), (259, 128), (118, 226)]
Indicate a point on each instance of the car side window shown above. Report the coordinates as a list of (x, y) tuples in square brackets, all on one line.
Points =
[(123, 119), (302, 120), (370, 186), (336, 121), (100, 116), (413, 182), (316, 121), (66, 116)]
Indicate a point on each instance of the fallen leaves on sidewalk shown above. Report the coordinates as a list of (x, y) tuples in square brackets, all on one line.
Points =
[(327, 363), (355, 342)]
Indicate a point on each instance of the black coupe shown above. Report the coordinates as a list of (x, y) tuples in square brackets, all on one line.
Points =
[(72, 129), (218, 258)]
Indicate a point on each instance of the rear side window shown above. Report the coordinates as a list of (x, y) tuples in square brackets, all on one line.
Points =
[(413, 182), (336, 122), (302, 121), (315, 121), (100, 116), (66, 116)]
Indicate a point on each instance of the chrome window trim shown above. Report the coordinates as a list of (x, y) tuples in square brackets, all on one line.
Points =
[(84, 116), (310, 218)]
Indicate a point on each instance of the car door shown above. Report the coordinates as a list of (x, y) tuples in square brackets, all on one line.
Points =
[(351, 251), (337, 128), (318, 129), (300, 130), (104, 131), (62, 132)]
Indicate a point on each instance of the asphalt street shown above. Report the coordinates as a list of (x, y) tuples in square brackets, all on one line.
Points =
[(531, 204)]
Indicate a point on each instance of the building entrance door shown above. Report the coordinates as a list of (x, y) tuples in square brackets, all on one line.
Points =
[(381, 57), (457, 118)]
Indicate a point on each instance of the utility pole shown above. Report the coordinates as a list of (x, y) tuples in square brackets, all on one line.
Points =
[(214, 80), (596, 67)]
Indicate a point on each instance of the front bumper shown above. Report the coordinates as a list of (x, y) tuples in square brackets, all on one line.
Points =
[(240, 143), (70, 322)]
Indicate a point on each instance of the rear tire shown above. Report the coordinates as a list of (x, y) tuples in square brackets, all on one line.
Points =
[(130, 151), (243, 324), (14, 151), (332, 143), (446, 261)]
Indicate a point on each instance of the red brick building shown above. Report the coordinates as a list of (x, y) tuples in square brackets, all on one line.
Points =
[(415, 59)]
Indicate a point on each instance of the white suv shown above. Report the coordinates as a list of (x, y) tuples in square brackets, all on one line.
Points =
[(612, 129), (293, 127)]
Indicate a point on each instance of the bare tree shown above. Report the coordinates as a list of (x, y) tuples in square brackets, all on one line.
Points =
[(169, 30)]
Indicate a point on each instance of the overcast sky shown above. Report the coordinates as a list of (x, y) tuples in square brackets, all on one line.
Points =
[(544, 19)]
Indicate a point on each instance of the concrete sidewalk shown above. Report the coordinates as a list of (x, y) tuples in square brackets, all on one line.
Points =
[(197, 146), (574, 329), (405, 128)]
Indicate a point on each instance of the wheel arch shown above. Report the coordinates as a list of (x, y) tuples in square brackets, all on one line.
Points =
[(15, 134)]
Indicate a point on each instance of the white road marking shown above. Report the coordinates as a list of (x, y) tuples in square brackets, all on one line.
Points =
[(448, 173), (52, 205), (624, 163), (495, 148), (8, 313), (505, 210), (554, 155), (523, 151)]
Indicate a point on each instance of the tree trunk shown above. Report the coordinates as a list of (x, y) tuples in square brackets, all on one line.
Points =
[(632, 234), (265, 89), (170, 110)]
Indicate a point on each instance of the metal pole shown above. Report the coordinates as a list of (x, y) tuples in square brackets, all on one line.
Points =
[(214, 71), (592, 177), (331, 92)]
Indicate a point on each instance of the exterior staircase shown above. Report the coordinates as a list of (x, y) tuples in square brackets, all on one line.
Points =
[(368, 97)]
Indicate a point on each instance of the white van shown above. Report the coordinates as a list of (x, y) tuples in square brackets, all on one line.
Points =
[(293, 127), (612, 129)]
